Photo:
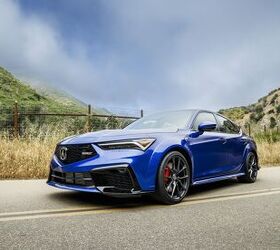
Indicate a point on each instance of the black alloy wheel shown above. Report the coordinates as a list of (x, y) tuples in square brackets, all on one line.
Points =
[(173, 178), (251, 169)]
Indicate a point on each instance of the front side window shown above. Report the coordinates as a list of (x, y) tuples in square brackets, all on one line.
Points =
[(203, 117), (226, 126)]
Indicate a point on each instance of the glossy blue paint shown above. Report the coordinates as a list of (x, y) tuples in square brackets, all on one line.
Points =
[(213, 155)]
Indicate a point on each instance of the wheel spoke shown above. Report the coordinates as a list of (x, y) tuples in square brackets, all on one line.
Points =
[(249, 172), (174, 163), (169, 186), (183, 187), (182, 169), (251, 166), (179, 164), (182, 177), (174, 187)]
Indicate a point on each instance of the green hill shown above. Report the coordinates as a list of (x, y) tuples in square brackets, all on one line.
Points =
[(265, 112), (65, 98), (42, 98)]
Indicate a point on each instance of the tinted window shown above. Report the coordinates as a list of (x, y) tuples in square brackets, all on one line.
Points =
[(203, 117), (226, 126)]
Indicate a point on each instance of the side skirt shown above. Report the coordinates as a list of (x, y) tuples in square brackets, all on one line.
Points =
[(214, 179)]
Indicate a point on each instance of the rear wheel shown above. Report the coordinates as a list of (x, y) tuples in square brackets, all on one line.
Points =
[(173, 178), (251, 169)]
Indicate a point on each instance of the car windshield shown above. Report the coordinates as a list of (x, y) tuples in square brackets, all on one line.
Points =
[(163, 120)]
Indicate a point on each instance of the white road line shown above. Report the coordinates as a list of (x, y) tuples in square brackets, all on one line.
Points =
[(233, 194), (47, 213)]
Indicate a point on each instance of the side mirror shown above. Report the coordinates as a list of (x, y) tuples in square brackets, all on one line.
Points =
[(206, 126)]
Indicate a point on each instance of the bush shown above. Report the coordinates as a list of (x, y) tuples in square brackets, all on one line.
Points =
[(273, 99), (259, 109), (278, 109), (272, 122), (255, 117), (271, 111)]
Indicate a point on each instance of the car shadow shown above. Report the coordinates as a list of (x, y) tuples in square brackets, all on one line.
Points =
[(84, 199)]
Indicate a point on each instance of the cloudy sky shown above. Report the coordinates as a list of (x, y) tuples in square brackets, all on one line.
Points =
[(150, 54)]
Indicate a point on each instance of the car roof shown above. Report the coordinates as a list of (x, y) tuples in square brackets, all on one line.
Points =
[(198, 110)]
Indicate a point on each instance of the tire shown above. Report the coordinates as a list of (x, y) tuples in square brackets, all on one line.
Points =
[(251, 169), (173, 179)]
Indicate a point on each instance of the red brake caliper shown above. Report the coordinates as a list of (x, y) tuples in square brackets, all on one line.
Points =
[(166, 174)]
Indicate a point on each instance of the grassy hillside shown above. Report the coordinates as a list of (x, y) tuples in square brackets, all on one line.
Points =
[(12, 89), (265, 112), (65, 98)]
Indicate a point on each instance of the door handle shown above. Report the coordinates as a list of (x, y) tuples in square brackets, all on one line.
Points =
[(223, 140)]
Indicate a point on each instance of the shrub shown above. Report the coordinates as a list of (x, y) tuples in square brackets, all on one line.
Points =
[(272, 122), (271, 111), (264, 101), (255, 117), (273, 91), (273, 99), (252, 117), (259, 109), (278, 109)]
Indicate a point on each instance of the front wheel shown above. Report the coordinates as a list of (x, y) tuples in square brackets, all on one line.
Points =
[(173, 178), (251, 169)]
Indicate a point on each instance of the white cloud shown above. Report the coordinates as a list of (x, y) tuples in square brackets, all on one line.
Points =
[(34, 50), (158, 54)]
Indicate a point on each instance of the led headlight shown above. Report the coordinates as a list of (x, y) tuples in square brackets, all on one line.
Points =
[(140, 144)]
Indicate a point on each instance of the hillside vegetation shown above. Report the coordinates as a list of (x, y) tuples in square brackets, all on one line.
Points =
[(12, 89), (265, 112)]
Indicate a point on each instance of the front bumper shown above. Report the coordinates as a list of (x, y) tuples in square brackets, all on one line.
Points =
[(112, 172), (118, 180)]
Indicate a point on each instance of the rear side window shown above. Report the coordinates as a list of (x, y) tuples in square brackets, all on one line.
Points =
[(226, 126), (203, 117)]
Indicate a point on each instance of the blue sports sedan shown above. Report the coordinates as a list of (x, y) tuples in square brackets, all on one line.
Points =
[(162, 154)]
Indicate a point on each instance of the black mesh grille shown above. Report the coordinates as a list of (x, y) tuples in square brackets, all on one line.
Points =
[(120, 178), (75, 153)]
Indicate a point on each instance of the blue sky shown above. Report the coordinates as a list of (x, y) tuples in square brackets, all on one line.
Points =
[(145, 54)]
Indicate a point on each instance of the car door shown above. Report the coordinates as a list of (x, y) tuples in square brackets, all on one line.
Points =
[(208, 148), (235, 144)]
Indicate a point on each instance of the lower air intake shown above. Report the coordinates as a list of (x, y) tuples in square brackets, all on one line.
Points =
[(121, 180)]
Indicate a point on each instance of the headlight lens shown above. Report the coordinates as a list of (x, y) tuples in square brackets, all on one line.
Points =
[(140, 144)]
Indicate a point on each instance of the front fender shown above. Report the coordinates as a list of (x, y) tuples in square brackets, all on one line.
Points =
[(160, 152)]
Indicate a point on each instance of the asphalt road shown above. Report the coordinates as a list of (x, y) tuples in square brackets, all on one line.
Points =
[(225, 215)]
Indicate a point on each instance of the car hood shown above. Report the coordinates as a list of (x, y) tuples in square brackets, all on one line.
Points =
[(116, 134)]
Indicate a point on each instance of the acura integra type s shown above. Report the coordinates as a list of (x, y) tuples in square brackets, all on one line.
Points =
[(161, 154)]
